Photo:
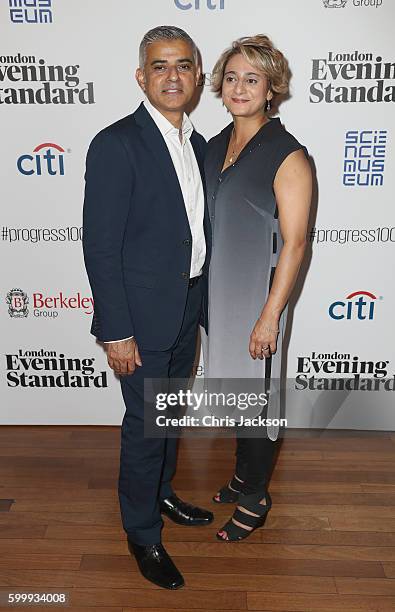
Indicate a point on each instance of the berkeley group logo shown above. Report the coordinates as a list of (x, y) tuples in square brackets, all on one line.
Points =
[(17, 301), (335, 3), (45, 306), (342, 3), (364, 158), (30, 11), (43, 162), (33, 81), (358, 305)]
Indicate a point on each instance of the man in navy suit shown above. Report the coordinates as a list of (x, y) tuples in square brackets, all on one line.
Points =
[(147, 248)]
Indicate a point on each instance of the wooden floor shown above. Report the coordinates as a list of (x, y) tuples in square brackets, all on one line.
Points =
[(328, 544)]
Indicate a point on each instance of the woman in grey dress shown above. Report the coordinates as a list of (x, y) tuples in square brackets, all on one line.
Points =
[(259, 191)]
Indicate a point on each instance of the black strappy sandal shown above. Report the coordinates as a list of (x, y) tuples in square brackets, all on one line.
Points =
[(235, 533), (229, 494)]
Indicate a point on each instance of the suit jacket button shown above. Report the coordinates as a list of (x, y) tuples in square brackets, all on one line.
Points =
[(184, 275), (186, 241)]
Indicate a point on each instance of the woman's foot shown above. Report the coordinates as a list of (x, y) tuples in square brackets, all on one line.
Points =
[(229, 494), (245, 519)]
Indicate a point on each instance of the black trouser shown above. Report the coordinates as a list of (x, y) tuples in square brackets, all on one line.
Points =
[(254, 463), (255, 455), (147, 465)]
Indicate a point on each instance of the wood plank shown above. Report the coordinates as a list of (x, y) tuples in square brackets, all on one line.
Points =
[(352, 499), (22, 531), (328, 538), (58, 493), (282, 602), (365, 586), (133, 580), (158, 599), (359, 523), (280, 551), (215, 549), (55, 518), (69, 547), (43, 562), (89, 525), (232, 565), (71, 481), (389, 569), (75, 609), (71, 506)]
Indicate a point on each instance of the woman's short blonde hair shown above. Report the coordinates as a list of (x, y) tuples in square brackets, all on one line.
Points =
[(260, 52)]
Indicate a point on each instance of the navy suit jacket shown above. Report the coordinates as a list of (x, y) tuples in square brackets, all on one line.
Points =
[(136, 237)]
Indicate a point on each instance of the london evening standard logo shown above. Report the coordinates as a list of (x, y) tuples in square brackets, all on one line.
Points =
[(212, 5), (44, 305), (364, 158), (30, 11), (47, 158), (24, 79), (339, 371), (332, 78), (357, 306), (48, 369)]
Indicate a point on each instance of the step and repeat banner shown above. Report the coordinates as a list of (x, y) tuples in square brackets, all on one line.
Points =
[(67, 70)]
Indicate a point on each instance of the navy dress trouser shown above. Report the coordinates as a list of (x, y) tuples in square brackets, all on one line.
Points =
[(147, 465)]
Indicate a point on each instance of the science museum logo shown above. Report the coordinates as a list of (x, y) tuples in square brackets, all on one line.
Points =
[(364, 158), (46, 306), (332, 78), (47, 159), (48, 369), (30, 11), (358, 306), (24, 79), (212, 5)]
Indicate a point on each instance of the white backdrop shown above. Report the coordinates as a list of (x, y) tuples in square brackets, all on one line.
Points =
[(339, 49)]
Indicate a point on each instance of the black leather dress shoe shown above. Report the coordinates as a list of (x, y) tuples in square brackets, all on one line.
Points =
[(156, 565), (183, 513)]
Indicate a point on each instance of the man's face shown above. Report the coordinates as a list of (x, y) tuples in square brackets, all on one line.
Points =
[(170, 76)]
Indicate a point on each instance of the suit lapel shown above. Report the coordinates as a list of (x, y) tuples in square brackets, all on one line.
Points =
[(206, 219), (155, 142)]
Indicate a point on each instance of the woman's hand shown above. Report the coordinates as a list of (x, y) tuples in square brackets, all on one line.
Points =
[(263, 339)]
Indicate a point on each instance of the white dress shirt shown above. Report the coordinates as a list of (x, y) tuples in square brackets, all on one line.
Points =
[(188, 174)]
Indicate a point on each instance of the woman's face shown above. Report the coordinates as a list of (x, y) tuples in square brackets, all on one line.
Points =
[(245, 89)]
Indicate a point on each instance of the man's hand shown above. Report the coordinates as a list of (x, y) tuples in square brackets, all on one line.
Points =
[(123, 357)]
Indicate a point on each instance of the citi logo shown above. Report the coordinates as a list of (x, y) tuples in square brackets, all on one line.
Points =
[(47, 159), (212, 5), (359, 305)]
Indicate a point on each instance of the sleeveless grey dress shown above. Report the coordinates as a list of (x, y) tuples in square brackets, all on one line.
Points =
[(245, 249)]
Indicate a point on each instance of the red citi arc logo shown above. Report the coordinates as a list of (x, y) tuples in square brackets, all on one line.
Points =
[(358, 305), (48, 159)]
